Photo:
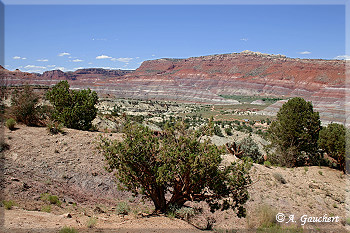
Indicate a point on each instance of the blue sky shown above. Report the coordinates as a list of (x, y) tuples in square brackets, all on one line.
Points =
[(68, 37)]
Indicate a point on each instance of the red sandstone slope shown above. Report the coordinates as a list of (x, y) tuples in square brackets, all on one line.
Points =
[(255, 71)]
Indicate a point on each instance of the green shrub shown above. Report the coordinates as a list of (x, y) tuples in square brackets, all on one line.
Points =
[(68, 230), (347, 221), (75, 109), (123, 208), (228, 131), (8, 204), (46, 208), (217, 131), (10, 124), (332, 140), (267, 164), (24, 106), (250, 149), (52, 199)]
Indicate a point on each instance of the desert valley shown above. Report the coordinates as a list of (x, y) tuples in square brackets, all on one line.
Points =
[(240, 92)]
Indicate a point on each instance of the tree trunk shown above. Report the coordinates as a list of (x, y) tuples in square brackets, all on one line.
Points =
[(158, 198)]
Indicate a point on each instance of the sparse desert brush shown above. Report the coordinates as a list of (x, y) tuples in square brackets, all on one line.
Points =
[(91, 222), (46, 208), (68, 230), (250, 149), (185, 213), (54, 127), (347, 221), (266, 216), (280, 178), (52, 199), (8, 204), (123, 208), (24, 106), (10, 124)]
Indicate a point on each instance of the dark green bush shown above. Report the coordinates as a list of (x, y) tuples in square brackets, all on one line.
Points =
[(176, 163), (295, 133), (217, 131), (228, 131), (75, 109), (332, 140)]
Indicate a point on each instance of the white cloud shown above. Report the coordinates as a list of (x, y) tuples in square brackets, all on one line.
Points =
[(51, 65), (18, 57), (342, 57), (35, 67), (153, 55), (90, 63), (305, 52), (77, 60), (110, 68), (61, 68), (244, 39), (103, 57), (78, 68), (63, 54), (122, 59), (44, 60), (99, 39), (137, 57)]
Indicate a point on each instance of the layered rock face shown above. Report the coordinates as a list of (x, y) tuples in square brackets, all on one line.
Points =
[(203, 79)]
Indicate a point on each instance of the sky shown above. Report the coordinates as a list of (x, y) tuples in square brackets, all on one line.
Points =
[(68, 37)]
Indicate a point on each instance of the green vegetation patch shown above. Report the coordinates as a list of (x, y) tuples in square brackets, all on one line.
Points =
[(250, 99)]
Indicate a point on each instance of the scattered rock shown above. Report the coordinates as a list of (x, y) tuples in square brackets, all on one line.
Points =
[(314, 186), (67, 215), (98, 210)]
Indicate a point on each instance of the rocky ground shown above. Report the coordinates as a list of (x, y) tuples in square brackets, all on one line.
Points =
[(69, 165)]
